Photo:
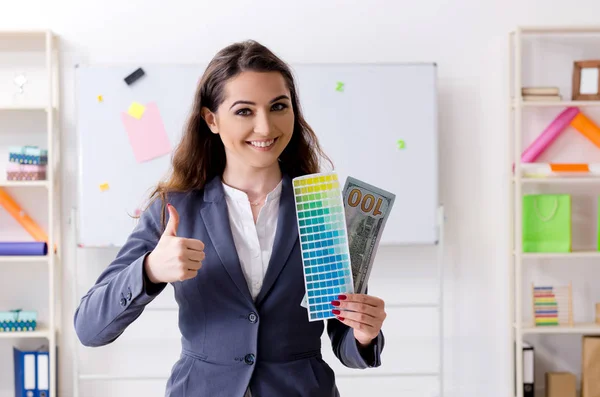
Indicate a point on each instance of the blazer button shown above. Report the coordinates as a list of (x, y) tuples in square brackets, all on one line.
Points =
[(252, 317), (129, 296), (249, 359), (123, 302)]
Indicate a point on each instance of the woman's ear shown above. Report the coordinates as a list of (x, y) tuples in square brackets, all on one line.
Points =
[(211, 120)]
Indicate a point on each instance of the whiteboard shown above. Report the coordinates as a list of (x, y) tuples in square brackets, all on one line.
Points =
[(358, 122)]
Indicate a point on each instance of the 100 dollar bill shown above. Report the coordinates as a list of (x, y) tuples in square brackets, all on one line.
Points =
[(367, 209)]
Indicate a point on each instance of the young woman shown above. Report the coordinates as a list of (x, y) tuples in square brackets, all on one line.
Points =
[(230, 247)]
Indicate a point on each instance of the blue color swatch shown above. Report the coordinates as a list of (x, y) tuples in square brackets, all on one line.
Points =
[(323, 242)]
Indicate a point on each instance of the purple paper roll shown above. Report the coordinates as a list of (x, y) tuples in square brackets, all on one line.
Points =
[(23, 248)]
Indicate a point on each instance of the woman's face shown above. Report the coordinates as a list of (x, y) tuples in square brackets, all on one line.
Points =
[(256, 119)]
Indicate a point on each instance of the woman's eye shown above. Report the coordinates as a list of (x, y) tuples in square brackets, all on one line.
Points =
[(243, 112), (279, 106)]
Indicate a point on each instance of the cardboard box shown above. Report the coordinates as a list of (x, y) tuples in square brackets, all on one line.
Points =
[(590, 367), (561, 384)]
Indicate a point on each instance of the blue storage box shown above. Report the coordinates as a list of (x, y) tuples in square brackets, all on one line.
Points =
[(18, 321), (27, 155)]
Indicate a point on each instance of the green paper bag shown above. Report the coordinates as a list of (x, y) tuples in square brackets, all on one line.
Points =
[(598, 225), (547, 223)]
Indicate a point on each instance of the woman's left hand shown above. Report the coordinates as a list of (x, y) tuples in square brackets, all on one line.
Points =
[(363, 313)]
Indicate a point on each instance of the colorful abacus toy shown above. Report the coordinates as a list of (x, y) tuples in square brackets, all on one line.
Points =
[(552, 305)]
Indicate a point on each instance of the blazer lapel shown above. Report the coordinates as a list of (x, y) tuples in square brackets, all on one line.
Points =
[(286, 236), (216, 220)]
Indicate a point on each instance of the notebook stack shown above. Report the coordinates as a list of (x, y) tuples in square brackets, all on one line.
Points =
[(541, 94), (26, 163)]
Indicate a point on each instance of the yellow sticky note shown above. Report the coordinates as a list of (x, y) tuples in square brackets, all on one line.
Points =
[(104, 187), (136, 110), (100, 99)]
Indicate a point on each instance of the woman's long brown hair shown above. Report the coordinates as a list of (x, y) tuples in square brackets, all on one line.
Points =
[(200, 155)]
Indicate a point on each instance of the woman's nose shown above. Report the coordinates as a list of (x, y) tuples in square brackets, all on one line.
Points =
[(262, 124)]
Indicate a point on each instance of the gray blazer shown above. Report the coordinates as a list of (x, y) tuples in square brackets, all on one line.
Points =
[(229, 342)]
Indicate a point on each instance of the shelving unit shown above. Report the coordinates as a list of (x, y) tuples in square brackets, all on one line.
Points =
[(34, 53), (534, 53)]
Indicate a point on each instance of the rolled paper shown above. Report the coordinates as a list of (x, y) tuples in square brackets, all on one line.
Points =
[(538, 146), (24, 248), (590, 130), (566, 167), (20, 216)]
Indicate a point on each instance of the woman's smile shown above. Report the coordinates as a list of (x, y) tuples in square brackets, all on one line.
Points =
[(262, 145)]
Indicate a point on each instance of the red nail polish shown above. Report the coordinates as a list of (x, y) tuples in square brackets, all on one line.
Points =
[(168, 204), (341, 318), (342, 297), (335, 303), (335, 311)]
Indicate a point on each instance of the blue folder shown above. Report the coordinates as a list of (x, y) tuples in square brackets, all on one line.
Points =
[(32, 373)]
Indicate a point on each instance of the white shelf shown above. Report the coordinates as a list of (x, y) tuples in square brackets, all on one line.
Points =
[(523, 58), (24, 259), (23, 108), (559, 180), (577, 329), (561, 255), (44, 184), (556, 30), (542, 104), (37, 50), (41, 332)]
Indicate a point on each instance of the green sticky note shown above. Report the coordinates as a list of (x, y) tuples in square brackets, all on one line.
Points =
[(340, 86), (401, 144)]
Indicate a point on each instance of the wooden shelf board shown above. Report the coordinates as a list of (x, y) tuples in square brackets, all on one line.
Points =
[(40, 332), (24, 259), (559, 180), (561, 255), (577, 29), (23, 40), (543, 104), (577, 329), (14, 108), (5, 183)]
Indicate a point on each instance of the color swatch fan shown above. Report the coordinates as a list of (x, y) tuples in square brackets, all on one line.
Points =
[(323, 241), (552, 305)]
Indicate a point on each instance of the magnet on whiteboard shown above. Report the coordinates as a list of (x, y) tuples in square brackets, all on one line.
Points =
[(135, 76)]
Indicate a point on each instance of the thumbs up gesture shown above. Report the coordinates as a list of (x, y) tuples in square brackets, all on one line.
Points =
[(174, 258)]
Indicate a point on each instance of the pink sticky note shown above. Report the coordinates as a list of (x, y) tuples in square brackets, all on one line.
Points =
[(147, 136)]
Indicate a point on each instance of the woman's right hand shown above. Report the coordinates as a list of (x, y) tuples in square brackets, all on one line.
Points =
[(174, 258)]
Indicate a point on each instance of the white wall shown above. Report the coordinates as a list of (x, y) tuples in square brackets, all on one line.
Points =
[(468, 40)]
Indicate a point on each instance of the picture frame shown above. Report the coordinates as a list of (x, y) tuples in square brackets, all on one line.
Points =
[(586, 80)]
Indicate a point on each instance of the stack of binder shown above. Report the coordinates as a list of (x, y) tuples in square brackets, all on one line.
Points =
[(32, 373), (528, 370)]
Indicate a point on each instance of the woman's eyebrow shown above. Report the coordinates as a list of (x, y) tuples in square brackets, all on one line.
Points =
[(254, 103)]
